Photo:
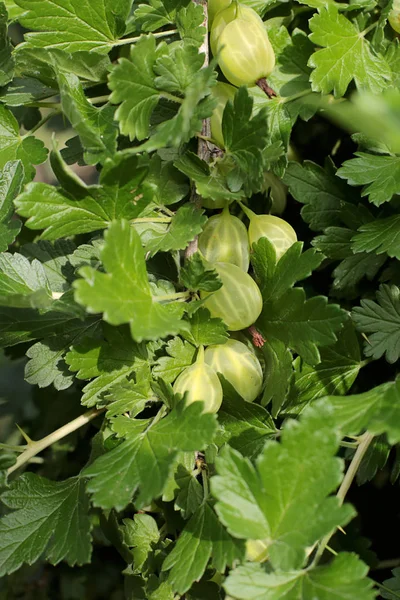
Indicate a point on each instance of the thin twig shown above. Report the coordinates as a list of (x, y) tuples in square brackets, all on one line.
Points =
[(34, 448)]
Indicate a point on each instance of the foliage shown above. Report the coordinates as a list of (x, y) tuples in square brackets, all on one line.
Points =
[(108, 175)]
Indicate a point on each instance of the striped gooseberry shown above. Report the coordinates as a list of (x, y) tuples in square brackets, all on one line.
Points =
[(224, 239), (201, 383), (394, 16), (238, 302), (222, 92), (224, 17), (245, 53), (214, 7), (239, 365), (276, 230)]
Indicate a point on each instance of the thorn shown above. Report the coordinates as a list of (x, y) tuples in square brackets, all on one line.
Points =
[(25, 435)]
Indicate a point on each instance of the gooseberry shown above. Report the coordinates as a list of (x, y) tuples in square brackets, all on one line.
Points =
[(214, 7), (222, 92), (224, 239), (200, 382), (238, 302), (245, 53), (394, 16), (239, 365), (276, 230), (226, 16)]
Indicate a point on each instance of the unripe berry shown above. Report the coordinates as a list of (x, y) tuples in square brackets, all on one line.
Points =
[(214, 7), (222, 92), (394, 16), (224, 239), (245, 53), (238, 302), (200, 382), (239, 365), (226, 16), (276, 230)]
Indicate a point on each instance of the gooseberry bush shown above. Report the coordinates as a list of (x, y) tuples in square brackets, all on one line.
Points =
[(200, 306)]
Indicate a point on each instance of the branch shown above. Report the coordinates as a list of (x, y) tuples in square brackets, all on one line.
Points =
[(351, 472), (202, 148), (34, 448)]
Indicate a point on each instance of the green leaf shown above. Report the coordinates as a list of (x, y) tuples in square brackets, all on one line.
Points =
[(109, 362), (278, 372), (186, 224), (302, 325), (202, 538), (190, 493), (166, 183), (46, 365), (335, 374), (344, 577), (210, 181), (95, 126), (323, 194), (206, 330), (82, 209), (6, 58), (382, 173), (181, 355), (29, 150), (55, 259), (392, 584), (11, 180), (123, 293), (245, 138), (50, 518), (285, 498), (380, 319), (196, 275), (23, 284), (291, 74), (247, 425), (76, 26), (141, 533), (379, 236), (345, 55), (376, 410), (13, 10), (117, 475), (127, 396), (275, 278)]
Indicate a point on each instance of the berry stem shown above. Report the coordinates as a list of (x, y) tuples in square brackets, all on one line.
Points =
[(263, 85), (257, 338)]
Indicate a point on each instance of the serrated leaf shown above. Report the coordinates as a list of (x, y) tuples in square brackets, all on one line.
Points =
[(118, 474), (379, 236), (141, 533), (123, 293), (381, 321), (335, 374), (209, 180), (109, 361), (196, 274), (189, 495), (166, 183), (376, 410), (285, 498), (344, 577), (275, 278), (23, 284), (206, 330), (11, 180), (181, 355), (302, 325), (202, 538), (392, 584), (6, 58), (245, 138), (382, 173), (246, 425), (323, 195), (187, 222), (95, 126), (29, 150), (55, 260), (82, 209), (49, 518), (93, 26), (278, 372), (345, 55)]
